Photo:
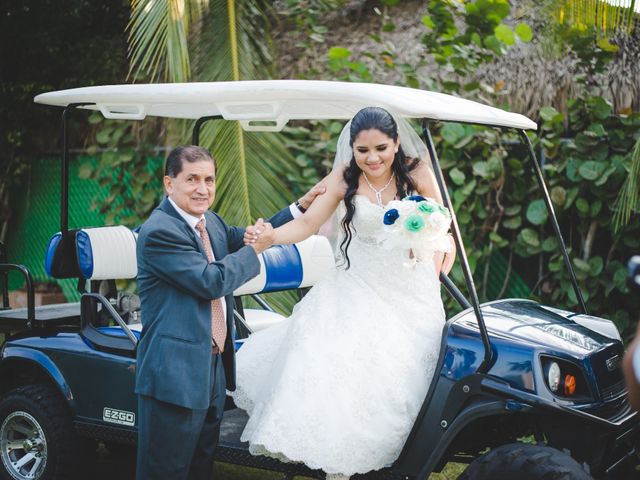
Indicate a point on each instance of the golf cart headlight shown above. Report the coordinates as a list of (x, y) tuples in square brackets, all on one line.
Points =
[(553, 376), (565, 379)]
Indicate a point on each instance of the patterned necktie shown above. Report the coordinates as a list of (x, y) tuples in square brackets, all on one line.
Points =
[(218, 322)]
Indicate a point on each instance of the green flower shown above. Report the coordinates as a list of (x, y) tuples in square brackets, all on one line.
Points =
[(444, 210), (414, 223), (425, 207)]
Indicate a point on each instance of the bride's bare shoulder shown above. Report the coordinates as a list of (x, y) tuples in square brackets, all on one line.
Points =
[(418, 171), (425, 180), (335, 181)]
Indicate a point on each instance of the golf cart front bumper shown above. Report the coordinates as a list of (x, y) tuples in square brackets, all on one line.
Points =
[(607, 438)]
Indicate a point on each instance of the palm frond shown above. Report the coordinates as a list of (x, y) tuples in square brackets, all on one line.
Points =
[(628, 199), (158, 32), (251, 180), (213, 52), (252, 169)]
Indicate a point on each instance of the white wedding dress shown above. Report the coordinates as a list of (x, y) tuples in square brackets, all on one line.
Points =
[(338, 385)]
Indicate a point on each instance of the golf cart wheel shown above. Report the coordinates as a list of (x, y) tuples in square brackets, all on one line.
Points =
[(36, 435), (524, 461)]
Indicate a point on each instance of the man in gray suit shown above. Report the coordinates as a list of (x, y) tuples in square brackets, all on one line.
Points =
[(189, 264)]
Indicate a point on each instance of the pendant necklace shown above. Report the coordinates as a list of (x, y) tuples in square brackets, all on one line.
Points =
[(378, 192)]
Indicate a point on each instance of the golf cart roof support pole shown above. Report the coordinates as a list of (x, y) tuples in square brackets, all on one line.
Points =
[(195, 136), (552, 216), (488, 352), (64, 170)]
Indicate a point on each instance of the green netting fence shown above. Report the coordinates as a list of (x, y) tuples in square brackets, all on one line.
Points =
[(37, 216)]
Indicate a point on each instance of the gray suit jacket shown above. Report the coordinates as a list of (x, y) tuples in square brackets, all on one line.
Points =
[(176, 284)]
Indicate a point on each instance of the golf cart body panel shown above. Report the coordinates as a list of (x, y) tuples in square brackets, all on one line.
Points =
[(93, 378), (523, 335), (521, 330)]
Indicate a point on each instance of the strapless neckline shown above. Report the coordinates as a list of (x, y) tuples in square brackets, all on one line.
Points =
[(368, 200)]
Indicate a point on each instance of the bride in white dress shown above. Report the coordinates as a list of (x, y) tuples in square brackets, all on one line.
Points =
[(338, 385)]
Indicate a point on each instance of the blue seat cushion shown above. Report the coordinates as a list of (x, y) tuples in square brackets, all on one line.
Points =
[(85, 254), (283, 266), (60, 259)]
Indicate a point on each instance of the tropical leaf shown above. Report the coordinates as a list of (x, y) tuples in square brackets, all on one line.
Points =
[(251, 168), (628, 199), (158, 33), (233, 43), (230, 41)]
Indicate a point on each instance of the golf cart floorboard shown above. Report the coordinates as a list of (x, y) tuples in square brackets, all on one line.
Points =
[(232, 450)]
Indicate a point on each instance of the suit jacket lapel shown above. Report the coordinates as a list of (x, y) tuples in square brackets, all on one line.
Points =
[(166, 207), (218, 241), (216, 236)]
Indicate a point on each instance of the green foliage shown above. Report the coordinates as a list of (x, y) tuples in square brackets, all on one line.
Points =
[(592, 29), (484, 36), (132, 171), (595, 22), (347, 69), (587, 171), (307, 17), (628, 200), (499, 205), (314, 146), (158, 38)]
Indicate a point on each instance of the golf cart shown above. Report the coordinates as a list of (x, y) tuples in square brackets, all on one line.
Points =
[(508, 369)]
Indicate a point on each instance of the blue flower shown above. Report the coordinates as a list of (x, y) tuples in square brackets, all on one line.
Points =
[(390, 216), (416, 198)]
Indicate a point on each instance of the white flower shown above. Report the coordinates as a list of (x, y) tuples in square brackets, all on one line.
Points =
[(425, 241)]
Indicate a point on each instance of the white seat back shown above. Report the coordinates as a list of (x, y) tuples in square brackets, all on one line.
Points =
[(106, 253)]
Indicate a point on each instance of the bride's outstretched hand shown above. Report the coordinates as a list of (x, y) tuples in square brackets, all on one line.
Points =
[(252, 232), (259, 236), (250, 235)]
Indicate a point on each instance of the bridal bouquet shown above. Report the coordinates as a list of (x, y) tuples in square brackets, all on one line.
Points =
[(418, 223)]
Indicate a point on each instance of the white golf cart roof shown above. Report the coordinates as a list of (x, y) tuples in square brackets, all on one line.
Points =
[(270, 104)]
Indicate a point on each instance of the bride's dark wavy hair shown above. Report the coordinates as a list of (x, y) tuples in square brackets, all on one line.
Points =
[(373, 118)]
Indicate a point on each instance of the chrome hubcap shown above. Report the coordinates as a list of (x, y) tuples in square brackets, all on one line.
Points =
[(23, 446)]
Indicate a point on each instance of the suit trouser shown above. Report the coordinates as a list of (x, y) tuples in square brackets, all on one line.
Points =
[(176, 443)]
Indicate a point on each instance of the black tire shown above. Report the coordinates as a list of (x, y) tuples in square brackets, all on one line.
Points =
[(523, 461), (35, 428)]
